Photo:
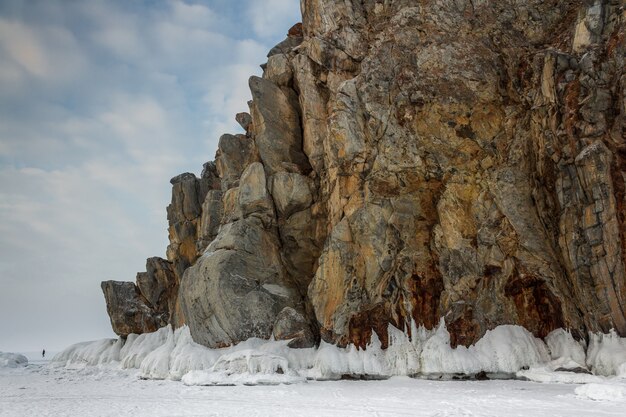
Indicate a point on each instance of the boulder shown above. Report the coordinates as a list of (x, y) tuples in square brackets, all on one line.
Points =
[(285, 46), (253, 194), (291, 325), (238, 287), (183, 215)]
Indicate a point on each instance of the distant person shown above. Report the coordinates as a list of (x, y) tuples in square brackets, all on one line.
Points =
[(43, 353)]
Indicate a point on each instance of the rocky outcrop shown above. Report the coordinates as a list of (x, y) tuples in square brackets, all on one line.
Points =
[(146, 306), (406, 161), (448, 140), (129, 310), (184, 215), (239, 286)]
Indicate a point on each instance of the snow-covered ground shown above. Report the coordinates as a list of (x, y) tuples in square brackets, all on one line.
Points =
[(39, 391), (166, 373)]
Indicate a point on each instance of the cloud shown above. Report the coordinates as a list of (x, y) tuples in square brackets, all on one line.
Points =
[(46, 52), (272, 18), (101, 104), (193, 15)]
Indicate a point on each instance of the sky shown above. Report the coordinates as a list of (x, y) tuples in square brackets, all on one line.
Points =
[(101, 103)]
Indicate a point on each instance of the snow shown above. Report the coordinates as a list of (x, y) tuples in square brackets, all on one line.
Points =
[(504, 351), (12, 360), (548, 374), (223, 378), (246, 367), (252, 361), (561, 344), (102, 391), (602, 392), (166, 373), (89, 353), (606, 353)]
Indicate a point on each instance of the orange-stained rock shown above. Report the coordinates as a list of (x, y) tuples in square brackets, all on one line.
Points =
[(295, 31), (406, 161)]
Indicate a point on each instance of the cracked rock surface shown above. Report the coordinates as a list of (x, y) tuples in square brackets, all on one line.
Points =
[(410, 160)]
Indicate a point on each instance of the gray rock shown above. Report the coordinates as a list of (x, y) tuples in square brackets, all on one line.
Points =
[(253, 194), (277, 128), (285, 46), (156, 283), (234, 154), (459, 161), (128, 309), (212, 213), (278, 70), (291, 193), (245, 121), (183, 215), (237, 288), (291, 325)]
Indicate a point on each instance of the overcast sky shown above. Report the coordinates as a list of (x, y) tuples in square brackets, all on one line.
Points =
[(101, 103)]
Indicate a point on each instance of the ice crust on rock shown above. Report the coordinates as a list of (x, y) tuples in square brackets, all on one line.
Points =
[(172, 354), (252, 361), (94, 353), (12, 360), (562, 344), (246, 367), (505, 349), (606, 353)]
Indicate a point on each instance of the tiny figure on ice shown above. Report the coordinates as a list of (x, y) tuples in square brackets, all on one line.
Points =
[(43, 353)]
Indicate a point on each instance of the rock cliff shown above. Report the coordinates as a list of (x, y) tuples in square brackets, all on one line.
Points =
[(405, 161)]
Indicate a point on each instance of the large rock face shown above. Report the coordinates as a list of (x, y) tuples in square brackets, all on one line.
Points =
[(410, 160), (472, 165)]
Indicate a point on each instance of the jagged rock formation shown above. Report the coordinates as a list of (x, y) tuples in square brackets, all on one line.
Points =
[(410, 160), (147, 305)]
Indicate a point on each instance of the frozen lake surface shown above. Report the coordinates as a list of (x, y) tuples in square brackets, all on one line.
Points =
[(38, 390)]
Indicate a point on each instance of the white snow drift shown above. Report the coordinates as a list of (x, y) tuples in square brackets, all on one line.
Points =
[(511, 350), (12, 360)]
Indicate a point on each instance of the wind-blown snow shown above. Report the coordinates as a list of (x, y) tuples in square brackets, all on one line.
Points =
[(12, 360)]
